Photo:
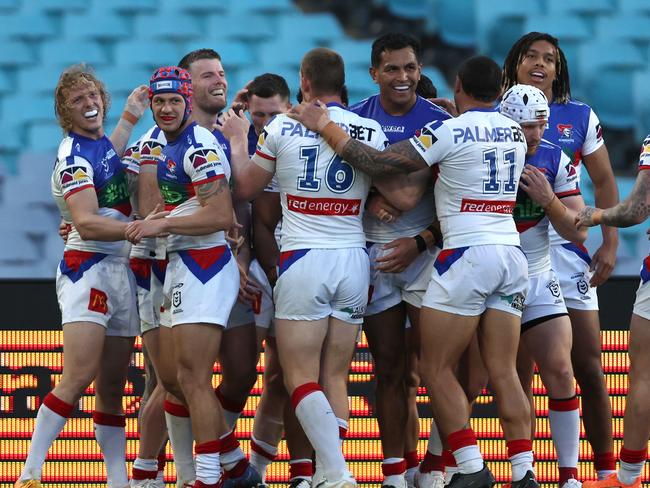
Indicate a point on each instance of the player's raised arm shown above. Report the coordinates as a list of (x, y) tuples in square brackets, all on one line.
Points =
[(398, 158), (631, 211)]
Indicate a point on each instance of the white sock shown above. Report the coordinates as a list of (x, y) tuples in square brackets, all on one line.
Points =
[(49, 424), (144, 469), (521, 464), (110, 435), (469, 459), (179, 429), (320, 425), (208, 467), (231, 451), (631, 464), (393, 470), (262, 455), (564, 420)]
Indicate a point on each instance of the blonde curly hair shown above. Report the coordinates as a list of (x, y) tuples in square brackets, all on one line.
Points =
[(73, 77)]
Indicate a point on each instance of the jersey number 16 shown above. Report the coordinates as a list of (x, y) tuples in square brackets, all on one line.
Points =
[(339, 175)]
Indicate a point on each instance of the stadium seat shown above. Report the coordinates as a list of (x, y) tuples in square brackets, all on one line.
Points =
[(456, 21), (32, 26), (320, 29), (253, 28), (439, 81), (127, 6), (359, 84), (62, 6), (146, 54), (26, 108), (639, 6), (200, 7), (499, 24), (354, 53), (629, 27), (44, 136), (409, 9), (176, 28), (11, 140), (38, 80), (15, 53), (580, 7), (606, 70), (64, 53), (292, 53), (234, 54), (16, 247), (123, 83), (262, 6), (641, 104), (9, 5), (98, 25)]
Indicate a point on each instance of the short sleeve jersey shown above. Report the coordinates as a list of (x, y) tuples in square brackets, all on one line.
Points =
[(147, 150), (397, 128), (322, 196), (193, 158), (88, 163), (532, 222), (644, 157), (576, 129), (480, 155)]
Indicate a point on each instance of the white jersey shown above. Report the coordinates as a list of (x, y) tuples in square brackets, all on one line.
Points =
[(147, 148), (481, 156), (194, 158), (322, 196), (87, 163), (531, 220)]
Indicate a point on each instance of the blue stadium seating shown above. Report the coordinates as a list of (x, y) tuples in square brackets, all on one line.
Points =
[(22, 108), (61, 6), (176, 28), (262, 6), (354, 53), (456, 21), (127, 6), (27, 25), (628, 27), (640, 6), (254, 28), (408, 9), (233, 53), (319, 29), (146, 54), (501, 23), (607, 74), (582, 7), (63, 53), (439, 81), (99, 25), (44, 136), (641, 102), (15, 53)]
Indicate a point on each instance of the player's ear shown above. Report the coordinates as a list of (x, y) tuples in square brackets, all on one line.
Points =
[(458, 87), (373, 73)]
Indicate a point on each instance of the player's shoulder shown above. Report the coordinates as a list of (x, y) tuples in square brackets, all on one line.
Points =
[(571, 107), (82, 148), (153, 134), (365, 106), (431, 109)]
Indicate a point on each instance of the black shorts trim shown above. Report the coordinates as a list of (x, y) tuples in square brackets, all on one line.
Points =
[(540, 320)]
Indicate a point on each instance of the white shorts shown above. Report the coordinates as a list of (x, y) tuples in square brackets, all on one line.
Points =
[(543, 301), (94, 287), (642, 302), (390, 289), (317, 283), (201, 286), (261, 311), (149, 277), (467, 280), (571, 264)]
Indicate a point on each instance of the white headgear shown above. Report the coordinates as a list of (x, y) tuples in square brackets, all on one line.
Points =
[(525, 103)]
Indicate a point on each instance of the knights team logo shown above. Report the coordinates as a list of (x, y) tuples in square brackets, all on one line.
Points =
[(554, 287), (566, 131), (171, 166), (583, 287), (176, 298)]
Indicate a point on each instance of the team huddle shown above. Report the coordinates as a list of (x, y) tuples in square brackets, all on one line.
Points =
[(450, 231)]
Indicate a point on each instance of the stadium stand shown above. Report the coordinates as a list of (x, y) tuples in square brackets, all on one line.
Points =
[(606, 43)]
